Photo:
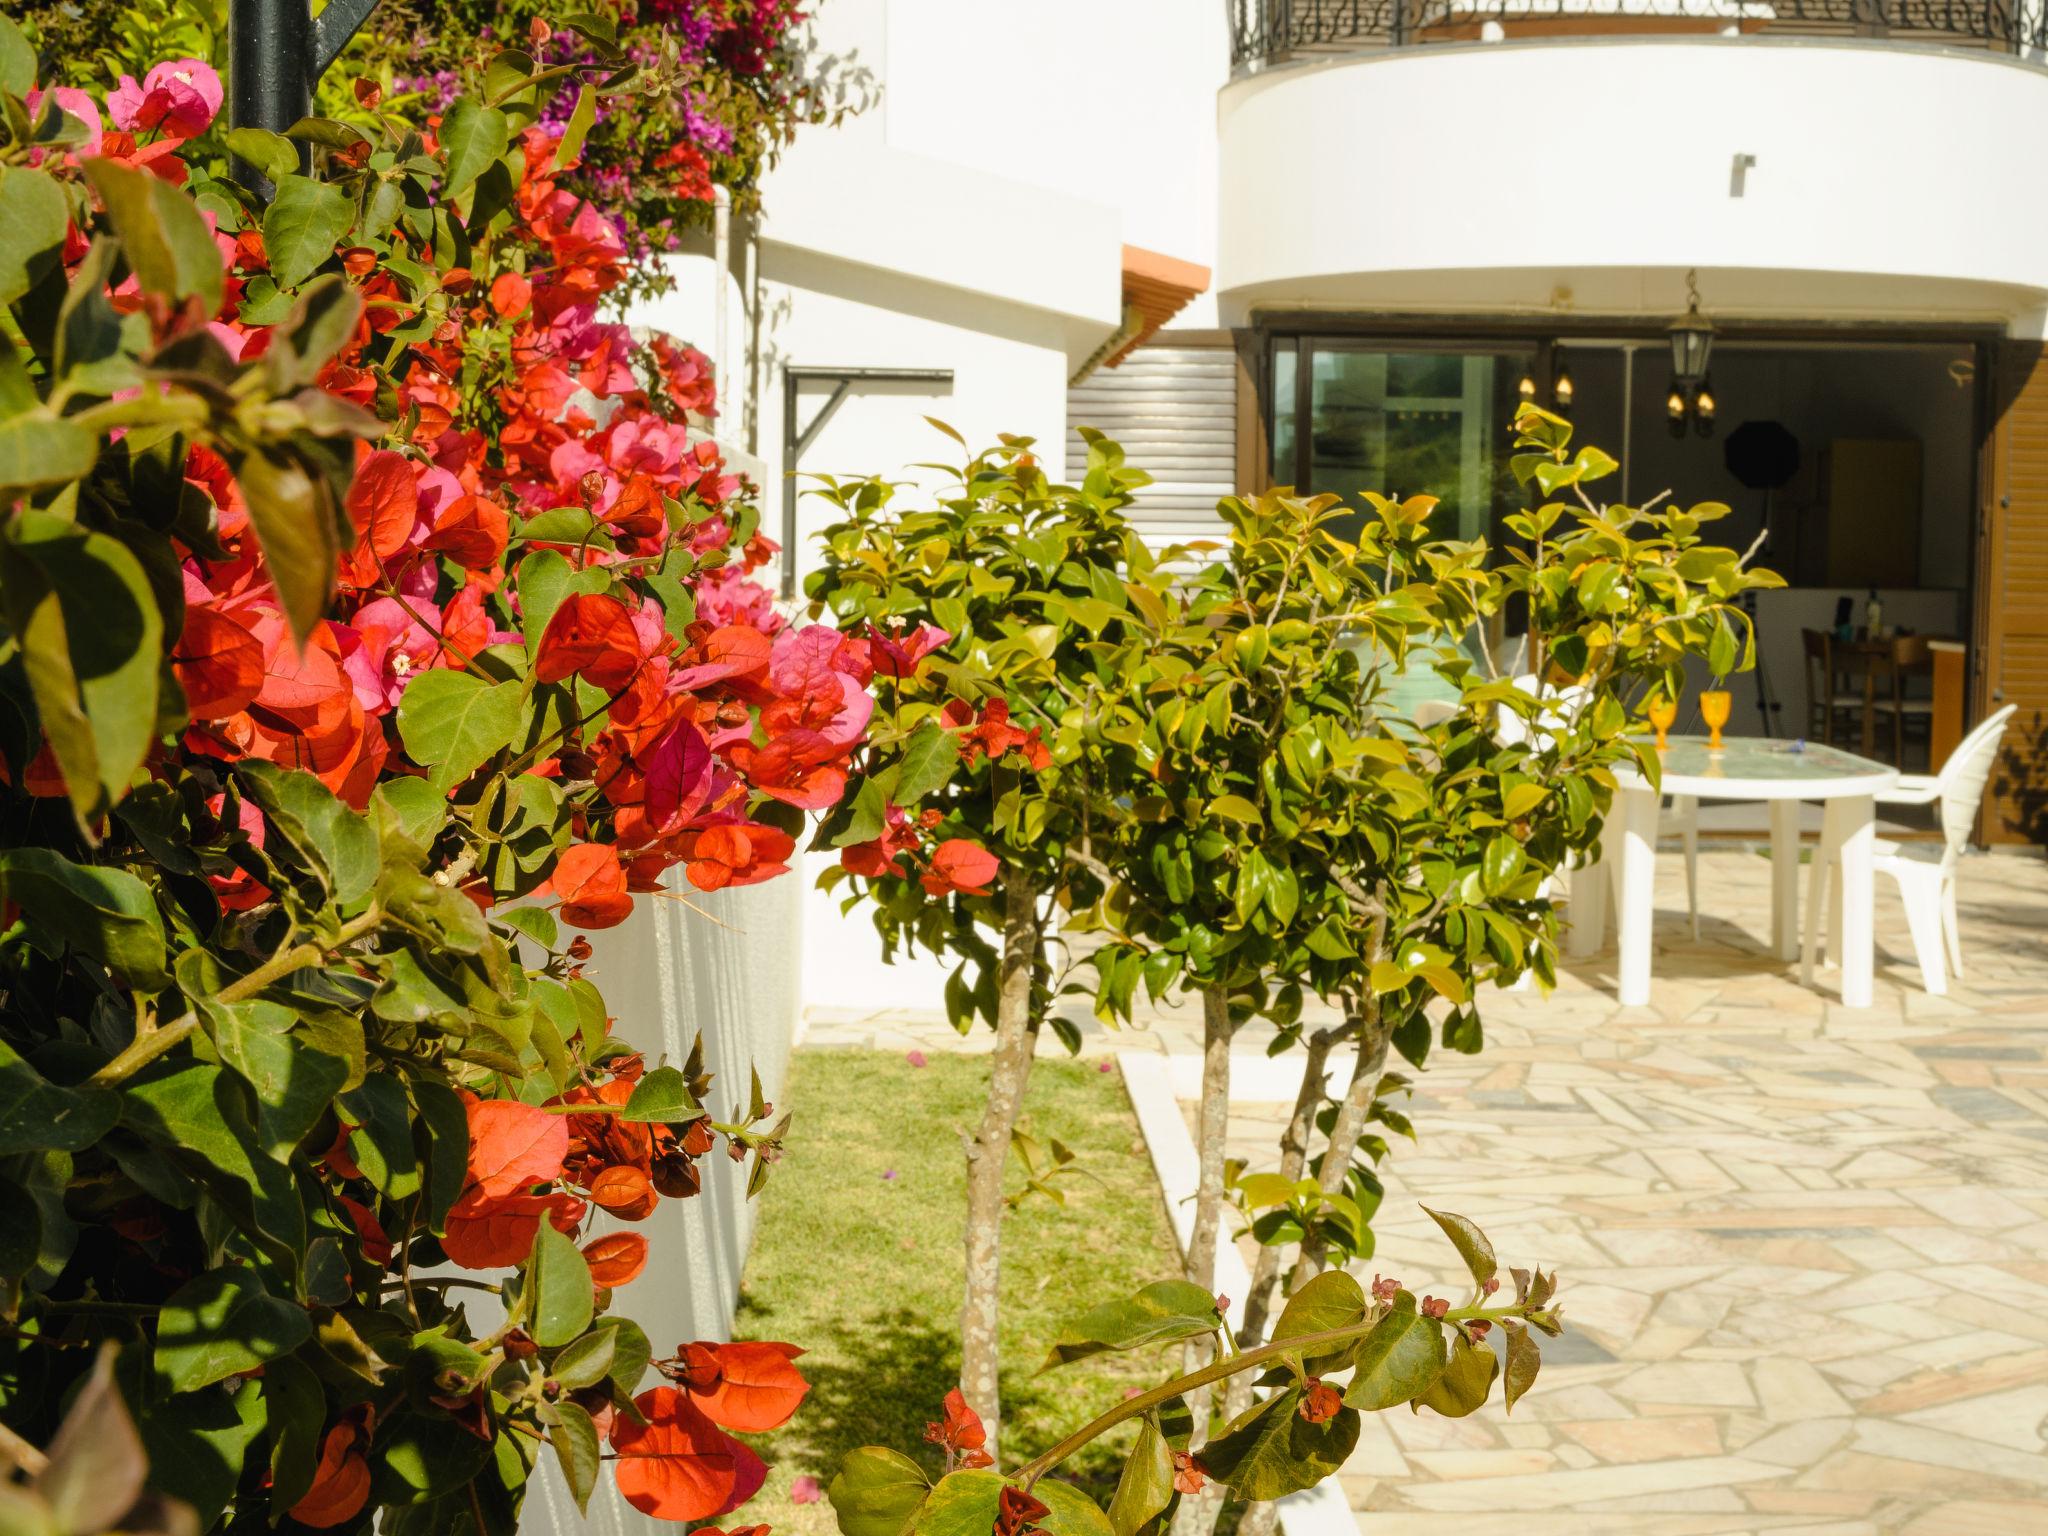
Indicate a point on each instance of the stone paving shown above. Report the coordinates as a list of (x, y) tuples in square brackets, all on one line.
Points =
[(1804, 1249)]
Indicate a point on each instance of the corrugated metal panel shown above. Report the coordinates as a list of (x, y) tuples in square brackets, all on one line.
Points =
[(2015, 591), (1174, 410)]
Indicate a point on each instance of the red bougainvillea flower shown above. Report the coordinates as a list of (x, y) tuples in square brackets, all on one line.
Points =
[(1017, 1511), (616, 1259), (679, 1465), (878, 858), (1319, 1404), (738, 853), (512, 1148), (958, 865), (238, 890), (341, 1480), (592, 886), (962, 1434), (993, 734), (748, 1386), (591, 635), (898, 655), (1188, 1473), (218, 663)]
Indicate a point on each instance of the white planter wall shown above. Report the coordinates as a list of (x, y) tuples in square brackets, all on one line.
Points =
[(668, 973)]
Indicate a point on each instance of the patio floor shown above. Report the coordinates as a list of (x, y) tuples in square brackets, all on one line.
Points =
[(1803, 1249)]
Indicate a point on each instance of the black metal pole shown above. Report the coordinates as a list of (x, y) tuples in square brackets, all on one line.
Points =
[(276, 53), (270, 73)]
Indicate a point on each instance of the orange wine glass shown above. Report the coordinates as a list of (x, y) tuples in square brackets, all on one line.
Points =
[(1714, 705), (1662, 714)]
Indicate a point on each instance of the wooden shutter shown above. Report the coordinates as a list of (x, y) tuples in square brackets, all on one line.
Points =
[(2012, 595), (1173, 407)]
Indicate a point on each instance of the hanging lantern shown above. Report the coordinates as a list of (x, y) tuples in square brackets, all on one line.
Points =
[(1692, 337)]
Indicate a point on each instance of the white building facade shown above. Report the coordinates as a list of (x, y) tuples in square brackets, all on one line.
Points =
[(1379, 225)]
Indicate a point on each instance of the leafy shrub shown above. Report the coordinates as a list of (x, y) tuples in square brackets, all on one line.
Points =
[(372, 616)]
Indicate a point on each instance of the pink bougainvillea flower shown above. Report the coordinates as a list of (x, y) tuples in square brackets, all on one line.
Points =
[(75, 103), (179, 98), (805, 1490)]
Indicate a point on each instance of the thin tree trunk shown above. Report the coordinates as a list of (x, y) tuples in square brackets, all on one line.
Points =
[(988, 1151), (1315, 1078), (1260, 1519), (1345, 1132), (1197, 1513)]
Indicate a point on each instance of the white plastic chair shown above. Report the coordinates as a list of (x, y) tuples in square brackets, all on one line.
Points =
[(1680, 818), (1925, 872)]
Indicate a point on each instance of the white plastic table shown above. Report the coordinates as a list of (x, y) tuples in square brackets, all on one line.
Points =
[(1746, 768)]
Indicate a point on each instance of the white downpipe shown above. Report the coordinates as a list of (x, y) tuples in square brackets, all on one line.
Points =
[(721, 271)]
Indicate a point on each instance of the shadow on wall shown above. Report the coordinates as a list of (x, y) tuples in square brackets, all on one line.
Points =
[(2019, 781)]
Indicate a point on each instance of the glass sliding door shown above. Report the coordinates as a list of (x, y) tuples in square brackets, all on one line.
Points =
[(1351, 417)]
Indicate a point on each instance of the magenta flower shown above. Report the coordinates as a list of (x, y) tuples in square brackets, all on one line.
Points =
[(181, 97), (805, 1490)]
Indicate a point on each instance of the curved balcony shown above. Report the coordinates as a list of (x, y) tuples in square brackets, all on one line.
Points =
[(1265, 32), (1808, 180)]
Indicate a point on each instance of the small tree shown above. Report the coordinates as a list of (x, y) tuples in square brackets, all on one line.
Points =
[(998, 623), (1304, 836)]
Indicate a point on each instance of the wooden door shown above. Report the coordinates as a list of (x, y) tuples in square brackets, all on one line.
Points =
[(2012, 594)]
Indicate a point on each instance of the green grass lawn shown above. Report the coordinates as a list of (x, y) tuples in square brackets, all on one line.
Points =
[(864, 1271)]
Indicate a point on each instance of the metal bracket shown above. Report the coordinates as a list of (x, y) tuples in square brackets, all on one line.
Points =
[(334, 27), (795, 441)]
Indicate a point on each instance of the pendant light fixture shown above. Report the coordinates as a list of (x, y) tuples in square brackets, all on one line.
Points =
[(1692, 337), (1560, 381)]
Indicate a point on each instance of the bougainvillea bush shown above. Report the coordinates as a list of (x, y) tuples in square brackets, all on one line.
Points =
[(373, 621), (718, 86)]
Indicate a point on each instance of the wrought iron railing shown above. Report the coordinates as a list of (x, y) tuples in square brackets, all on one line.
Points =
[(1265, 31)]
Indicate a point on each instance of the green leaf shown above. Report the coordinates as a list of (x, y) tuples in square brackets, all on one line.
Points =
[(570, 145), (1145, 1487), (1524, 1359), (91, 638), (167, 243), (1723, 649), (270, 153), (1501, 863), (198, 1445), (1271, 1450), (17, 70), (297, 1416), (293, 510), (1398, 1360), (1237, 808), (472, 136), (662, 1096), (1470, 1242), (224, 1323), (34, 215), (294, 1083), (877, 1491), (574, 1438), (562, 1294), (1162, 1313), (192, 1110), (587, 1361), (36, 1115), (1329, 1300), (452, 722), (929, 758), (445, 1123), (39, 450), (338, 844), (1069, 1511), (1466, 1379), (381, 1143), (302, 226), (421, 809), (106, 913)]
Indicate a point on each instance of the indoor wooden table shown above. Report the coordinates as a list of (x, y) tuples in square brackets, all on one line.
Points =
[(1746, 768)]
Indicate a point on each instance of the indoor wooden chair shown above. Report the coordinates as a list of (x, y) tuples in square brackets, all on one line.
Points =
[(1830, 702), (1909, 658)]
